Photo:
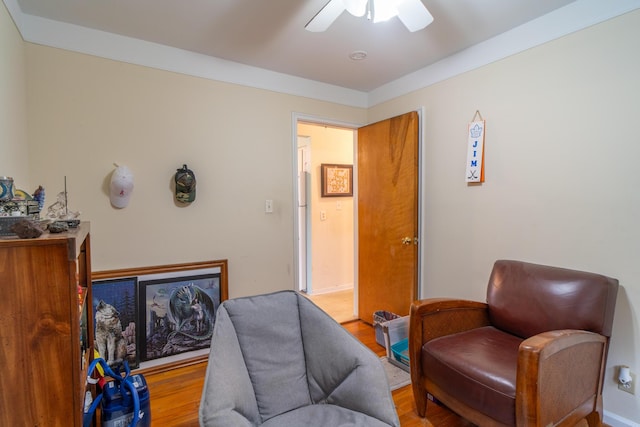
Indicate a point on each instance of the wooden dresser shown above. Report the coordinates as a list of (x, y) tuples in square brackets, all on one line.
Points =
[(46, 328)]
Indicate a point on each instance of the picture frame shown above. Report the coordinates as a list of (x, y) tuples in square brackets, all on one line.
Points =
[(336, 180), (174, 273), (115, 313), (177, 314)]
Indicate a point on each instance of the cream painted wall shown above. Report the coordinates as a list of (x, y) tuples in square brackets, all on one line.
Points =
[(13, 111), (562, 178), (332, 256), (87, 113)]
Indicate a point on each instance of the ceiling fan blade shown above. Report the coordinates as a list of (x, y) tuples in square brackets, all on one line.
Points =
[(383, 10), (326, 16), (413, 14), (356, 7)]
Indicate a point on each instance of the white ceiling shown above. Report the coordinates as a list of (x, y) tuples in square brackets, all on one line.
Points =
[(270, 34)]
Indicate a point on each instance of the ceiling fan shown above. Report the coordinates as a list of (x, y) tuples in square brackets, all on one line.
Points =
[(413, 14)]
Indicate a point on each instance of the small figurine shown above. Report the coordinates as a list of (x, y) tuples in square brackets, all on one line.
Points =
[(6, 188), (59, 210), (38, 196)]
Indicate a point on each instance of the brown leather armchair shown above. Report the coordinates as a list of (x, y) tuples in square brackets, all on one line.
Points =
[(533, 355)]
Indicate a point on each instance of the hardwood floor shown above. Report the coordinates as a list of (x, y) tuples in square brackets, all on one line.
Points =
[(175, 394), (338, 305)]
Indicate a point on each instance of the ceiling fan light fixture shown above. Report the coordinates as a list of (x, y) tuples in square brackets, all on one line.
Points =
[(412, 13), (383, 10)]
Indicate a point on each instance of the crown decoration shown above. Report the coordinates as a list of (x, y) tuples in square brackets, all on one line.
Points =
[(476, 131)]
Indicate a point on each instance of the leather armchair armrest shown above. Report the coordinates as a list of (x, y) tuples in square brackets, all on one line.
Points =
[(559, 373), (433, 318), (437, 317)]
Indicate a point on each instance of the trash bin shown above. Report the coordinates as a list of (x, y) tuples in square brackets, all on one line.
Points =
[(379, 318)]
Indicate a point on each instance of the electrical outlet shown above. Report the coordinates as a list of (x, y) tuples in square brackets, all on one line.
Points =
[(632, 385)]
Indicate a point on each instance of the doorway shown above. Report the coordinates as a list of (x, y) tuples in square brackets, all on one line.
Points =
[(326, 224), (396, 155)]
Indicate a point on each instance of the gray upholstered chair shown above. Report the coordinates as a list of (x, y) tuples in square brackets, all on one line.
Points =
[(278, 360)]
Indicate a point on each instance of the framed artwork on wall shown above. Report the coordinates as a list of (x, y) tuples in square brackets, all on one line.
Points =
[(115, 313), (174, 308), (336, 180), (177, 314)]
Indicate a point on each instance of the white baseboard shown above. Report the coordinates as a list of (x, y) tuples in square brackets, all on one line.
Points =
[(615, 420)]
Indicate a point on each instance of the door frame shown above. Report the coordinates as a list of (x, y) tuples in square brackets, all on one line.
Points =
[(302, 214), (322, 121)]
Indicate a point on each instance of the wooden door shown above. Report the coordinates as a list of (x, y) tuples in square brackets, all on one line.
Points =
[(388, 216)]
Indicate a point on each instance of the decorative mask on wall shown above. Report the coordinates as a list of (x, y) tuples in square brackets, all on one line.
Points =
[(185, 185)]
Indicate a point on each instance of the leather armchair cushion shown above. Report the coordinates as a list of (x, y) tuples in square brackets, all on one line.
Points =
[(477, 367)]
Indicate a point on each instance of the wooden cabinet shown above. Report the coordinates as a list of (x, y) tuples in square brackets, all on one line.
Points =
[(46, 328)]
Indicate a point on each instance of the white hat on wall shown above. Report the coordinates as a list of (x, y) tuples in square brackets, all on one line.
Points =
[(121, 187)]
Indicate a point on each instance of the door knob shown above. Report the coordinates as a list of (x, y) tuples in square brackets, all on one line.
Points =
[(407, 241)]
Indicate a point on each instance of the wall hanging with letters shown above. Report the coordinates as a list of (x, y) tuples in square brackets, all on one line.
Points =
[(475, 149)]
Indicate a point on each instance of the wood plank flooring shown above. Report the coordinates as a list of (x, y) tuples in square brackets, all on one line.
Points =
[(338, 305), (175, 394)]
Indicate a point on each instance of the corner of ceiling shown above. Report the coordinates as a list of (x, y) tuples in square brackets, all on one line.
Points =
[(571, 18)]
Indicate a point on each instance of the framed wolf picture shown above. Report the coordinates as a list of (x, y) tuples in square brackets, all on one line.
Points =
[(178, 314), (115, 316)]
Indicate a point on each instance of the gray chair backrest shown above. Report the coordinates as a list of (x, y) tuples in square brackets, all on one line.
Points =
[(269, 333)]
